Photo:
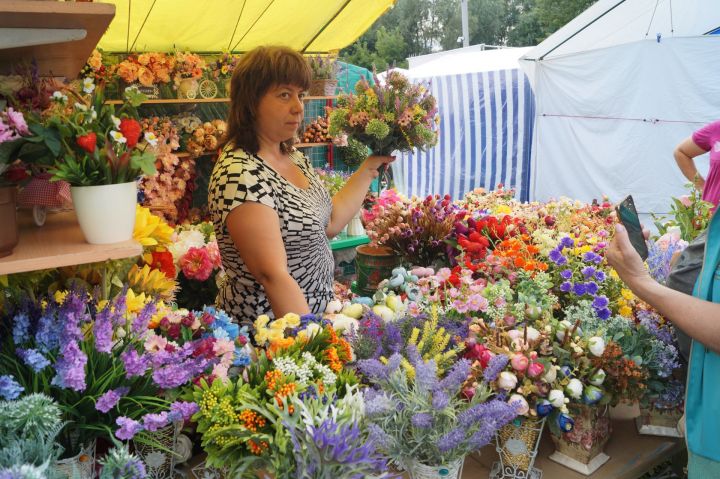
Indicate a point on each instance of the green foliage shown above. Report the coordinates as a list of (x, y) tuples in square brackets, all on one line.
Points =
[(690, 213)]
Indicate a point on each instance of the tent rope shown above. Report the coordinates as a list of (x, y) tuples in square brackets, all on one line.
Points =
[(143, 24), (614, 118), (253, 24), (242, 9), (672, 25), (127, 38), (652, 18)]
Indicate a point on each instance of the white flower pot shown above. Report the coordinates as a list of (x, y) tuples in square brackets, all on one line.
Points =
[(417, 470), (106, 213), (355, 227)]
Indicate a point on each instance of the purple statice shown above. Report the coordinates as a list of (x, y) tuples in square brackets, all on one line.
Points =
[(457, 375), (140, 323), (70, 368), (426, 375), (672, 395), (440, 400), (495, 366), (9, 388), (566, 274), (135, 364), (103, 330), (153, 422), (33, 358), (110, 399), (451, 440), (182, 411), (665, 360), (566, 286), (422, 420), (128, 428), (21, 328)]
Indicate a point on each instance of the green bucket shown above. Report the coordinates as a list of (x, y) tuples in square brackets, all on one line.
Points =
[(373, 264)]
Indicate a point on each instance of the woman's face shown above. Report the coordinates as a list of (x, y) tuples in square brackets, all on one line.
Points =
[(280, 112)]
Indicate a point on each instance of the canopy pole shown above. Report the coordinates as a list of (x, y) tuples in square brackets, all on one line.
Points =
[(242, 9), (143, 24), (253, 24), (347, 2)]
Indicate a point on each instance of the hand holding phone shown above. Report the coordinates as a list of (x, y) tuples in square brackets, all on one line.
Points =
[(628, 216)]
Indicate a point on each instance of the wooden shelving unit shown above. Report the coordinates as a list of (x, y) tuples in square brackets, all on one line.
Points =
[(170, 101), (59, 243)]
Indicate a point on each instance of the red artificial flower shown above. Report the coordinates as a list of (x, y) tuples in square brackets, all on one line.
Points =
[(131, 130), (87, 142), (163, 260), (16, 174), (196, 264)]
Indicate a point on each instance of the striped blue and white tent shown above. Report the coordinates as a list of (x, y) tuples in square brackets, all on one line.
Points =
[(487, 112)]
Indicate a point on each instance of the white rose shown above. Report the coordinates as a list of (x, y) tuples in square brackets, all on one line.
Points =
[(507, 380), (551, 374), (556, 398), (598, 378), (597, 346), (574, 388), (520, 404)]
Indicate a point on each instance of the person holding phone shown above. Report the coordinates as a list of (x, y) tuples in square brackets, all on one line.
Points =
[(706, 139), (699, 317)]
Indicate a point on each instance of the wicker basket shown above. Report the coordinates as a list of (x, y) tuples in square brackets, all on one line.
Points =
[(517, 445), (323, 87), (160, 463), (81, 466), (422, 471)]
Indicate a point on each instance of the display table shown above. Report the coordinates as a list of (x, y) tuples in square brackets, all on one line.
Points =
[(342, 241), (59, 243)]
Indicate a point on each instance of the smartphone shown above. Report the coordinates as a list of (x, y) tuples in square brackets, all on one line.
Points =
[(627, 214)]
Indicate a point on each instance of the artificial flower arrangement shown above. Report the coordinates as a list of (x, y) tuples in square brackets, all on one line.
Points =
[(416, 229), (259, 420), (197, 260), (205, 137), (146, 68), (394, 116), (333, 180), (100, 146), (14, 135), (689, 213), (187, 65), (423, 418), (89, 356), (223, 66), (96, 69), (663, 250), (323, 68)]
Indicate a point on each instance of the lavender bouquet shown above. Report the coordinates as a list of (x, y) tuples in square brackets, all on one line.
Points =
[(420, 417)]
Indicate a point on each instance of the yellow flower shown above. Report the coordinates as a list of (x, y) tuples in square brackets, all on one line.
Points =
[(275, 335), (151, 281), (503, 210), (151, 230), (135, 302), (60, 296), (262, 321), (292, 320), (278, 324), (625, 311), (261, 335), (627, 294)]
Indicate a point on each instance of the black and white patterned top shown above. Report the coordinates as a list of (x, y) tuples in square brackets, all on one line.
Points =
[(304, 215)]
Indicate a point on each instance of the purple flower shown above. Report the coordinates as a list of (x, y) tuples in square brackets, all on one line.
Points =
[(9, 388), (140, 323), (440, 400), (555, 256), (600, 276), (128, 428), (422, 420), (566, 274), (451, 440), (600, 302), (567, 242), (579, 289), (108, 400), (456, 377), (175, 375), (47, 337), (135, 364), (603, 313), (591, 257), (21, 328), (426, 375), (566, 286), (33, 358), (591, 287), (153, 422), (495, 366), (70, 368), (588, 271), (181, 410), (103, 330)]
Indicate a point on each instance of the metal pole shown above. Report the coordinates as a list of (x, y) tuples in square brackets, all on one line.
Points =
[(465, 28)]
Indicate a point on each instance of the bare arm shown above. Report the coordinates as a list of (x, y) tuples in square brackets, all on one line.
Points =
[(255, 230), (347, 202), (684, 154), (698, 318)]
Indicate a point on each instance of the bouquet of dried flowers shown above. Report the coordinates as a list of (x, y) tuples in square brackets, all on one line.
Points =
[(323, 68)]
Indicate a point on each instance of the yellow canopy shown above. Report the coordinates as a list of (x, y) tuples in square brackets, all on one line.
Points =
[(309, 26)]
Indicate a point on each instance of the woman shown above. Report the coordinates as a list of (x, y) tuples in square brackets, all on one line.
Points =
[(700, 142), (271, 214), (699, 318)]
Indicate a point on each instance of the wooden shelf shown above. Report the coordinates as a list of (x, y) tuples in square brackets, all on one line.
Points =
[(311, 145), (62, 20), (170, 101), (59, 243)]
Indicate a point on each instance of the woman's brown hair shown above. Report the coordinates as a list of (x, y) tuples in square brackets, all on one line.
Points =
[(256, 72)]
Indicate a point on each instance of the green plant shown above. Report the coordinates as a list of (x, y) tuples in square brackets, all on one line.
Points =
[(688, 212)]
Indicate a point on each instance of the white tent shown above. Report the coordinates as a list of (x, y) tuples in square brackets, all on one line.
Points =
[(486, 113), (616, 90)]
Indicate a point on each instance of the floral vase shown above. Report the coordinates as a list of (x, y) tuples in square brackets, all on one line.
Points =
[(159, 461), (517, 445), (9, 234), (582, 448), (188, 88), (106, 213), (656, 421), (80, 466), (355, 227), (418, 470)]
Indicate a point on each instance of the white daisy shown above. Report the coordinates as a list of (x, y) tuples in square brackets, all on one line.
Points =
[(88, 85), (118, 137), (151, 138)]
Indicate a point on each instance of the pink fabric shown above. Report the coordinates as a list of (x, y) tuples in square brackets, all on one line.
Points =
[(708, 138)]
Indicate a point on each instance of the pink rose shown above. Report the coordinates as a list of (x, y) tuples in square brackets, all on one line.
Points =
[(535, 370), (196, 264), (519, 362)]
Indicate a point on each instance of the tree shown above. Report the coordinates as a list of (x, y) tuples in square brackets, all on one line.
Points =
[(553, 14)]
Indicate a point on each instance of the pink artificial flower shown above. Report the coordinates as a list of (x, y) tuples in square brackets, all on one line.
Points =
[(477, 302), (214, 253), (519, 362), (16, 120), (223, 347), (535, 370), (155, 343), (685, 201), (196, 264)]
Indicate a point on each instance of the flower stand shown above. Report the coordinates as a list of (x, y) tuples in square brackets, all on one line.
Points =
[(656, 421), (582, 448), (517, 445), (417, 470), (160, 462), (80, 466)]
